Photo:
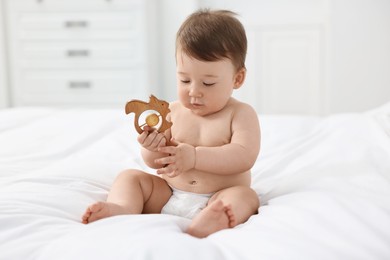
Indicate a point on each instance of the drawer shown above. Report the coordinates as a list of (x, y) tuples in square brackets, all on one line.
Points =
[(80, 20), (87, 82), (71, 5), (79, 63), (36, 54), (79, 25), (81, 57)]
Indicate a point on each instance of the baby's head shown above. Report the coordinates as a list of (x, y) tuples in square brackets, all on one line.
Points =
[(213, 35)]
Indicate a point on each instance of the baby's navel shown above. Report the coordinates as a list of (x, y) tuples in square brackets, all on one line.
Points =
[(193, 182)]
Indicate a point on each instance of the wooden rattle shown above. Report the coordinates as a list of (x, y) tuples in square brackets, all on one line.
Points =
[(138, 107)]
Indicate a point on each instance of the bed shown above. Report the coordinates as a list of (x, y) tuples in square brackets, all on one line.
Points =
[(324, 184)]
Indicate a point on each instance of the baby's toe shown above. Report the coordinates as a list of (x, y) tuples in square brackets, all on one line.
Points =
[(97, 206)]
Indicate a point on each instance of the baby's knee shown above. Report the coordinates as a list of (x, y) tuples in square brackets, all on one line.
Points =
[(256, 200), (251, 197), (131, 174), (243, 193)]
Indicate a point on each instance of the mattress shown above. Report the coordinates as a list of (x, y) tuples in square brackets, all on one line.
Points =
[(323, 182)]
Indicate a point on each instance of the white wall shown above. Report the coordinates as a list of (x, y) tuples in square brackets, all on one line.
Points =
[(359, 47), (172, 14), (4, 102)]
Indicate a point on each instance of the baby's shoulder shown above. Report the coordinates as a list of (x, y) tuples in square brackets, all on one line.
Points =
[(177, 110), (241, 107), (174, 105)]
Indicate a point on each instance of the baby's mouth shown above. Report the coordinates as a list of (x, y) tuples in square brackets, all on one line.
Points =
[(196, 105)]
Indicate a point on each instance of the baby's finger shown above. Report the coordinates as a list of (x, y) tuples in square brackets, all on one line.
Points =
[(166, 160), (148, 128), (149, 140), (141, 138), (173, 142), (162, 142), (156, 140), (170, 171), (164, 170), (167, 149)]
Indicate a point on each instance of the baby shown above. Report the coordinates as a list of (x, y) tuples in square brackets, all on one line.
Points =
[(203, 162)]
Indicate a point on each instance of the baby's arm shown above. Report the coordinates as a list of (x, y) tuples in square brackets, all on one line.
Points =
[(237, 156), (242, 151)]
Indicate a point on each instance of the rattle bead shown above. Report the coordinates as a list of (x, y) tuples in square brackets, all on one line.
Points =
[(152, 120)]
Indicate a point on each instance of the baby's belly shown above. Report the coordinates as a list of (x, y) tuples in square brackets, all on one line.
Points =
[(203, 182)]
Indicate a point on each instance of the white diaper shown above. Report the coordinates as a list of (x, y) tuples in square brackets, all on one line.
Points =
[(185, 204)]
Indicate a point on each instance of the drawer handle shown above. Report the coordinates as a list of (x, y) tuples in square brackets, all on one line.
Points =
[(76, 24), (79, 84), (77, 53)]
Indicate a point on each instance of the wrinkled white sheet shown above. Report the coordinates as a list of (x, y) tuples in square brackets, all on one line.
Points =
[(324, 185)]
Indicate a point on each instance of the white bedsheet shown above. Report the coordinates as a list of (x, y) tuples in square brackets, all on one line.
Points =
[(324, 185)]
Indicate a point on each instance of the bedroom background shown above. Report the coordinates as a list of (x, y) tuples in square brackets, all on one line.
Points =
[(323, 181), (314, 57)]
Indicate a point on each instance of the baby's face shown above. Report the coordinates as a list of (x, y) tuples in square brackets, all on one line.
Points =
[(204, 87)]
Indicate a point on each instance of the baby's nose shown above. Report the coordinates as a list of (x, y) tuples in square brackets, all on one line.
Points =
[(195, 92)]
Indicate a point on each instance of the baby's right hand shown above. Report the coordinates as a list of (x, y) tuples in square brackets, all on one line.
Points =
[(151, 139)]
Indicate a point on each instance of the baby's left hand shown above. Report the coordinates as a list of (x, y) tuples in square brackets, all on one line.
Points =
[(181, 159)]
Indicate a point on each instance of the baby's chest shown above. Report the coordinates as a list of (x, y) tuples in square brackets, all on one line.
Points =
[(202, 132)]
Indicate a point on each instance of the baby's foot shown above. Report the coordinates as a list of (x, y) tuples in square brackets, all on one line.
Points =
[(97, 211), (213, 218)]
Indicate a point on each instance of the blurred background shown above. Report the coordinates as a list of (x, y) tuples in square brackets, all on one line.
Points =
[(312, 57)]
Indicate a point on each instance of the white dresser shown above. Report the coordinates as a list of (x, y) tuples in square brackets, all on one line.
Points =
[(79, 52), (4, 97)]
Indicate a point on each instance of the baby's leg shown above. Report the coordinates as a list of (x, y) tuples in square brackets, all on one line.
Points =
[(226, 209), (133, 192)]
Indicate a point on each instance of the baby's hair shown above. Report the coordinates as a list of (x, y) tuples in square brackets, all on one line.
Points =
[(213, 35)]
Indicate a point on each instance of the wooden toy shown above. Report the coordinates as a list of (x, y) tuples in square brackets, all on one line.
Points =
[(161, 108)]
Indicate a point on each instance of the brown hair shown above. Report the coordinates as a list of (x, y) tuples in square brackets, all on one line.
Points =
[(213, 35)]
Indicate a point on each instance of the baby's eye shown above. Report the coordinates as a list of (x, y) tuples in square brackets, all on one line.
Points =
[(185, 81), (208, 84)]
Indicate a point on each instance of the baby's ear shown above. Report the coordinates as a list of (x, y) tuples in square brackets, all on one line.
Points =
[(239, 78)]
